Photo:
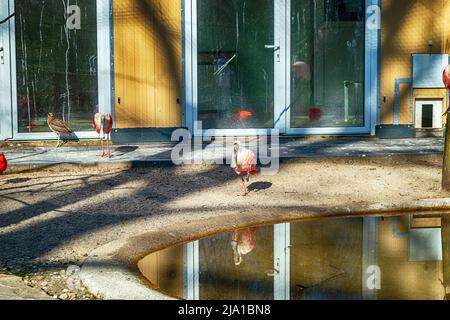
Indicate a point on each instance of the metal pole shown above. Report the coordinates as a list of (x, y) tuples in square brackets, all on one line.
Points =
[(446, 165)]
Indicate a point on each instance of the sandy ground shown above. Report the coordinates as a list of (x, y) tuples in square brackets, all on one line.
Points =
[(52, 219)]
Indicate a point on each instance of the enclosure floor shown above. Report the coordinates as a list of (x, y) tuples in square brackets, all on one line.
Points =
[(54, 218)]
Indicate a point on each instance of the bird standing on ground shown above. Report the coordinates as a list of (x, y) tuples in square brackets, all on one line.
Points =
[(59, 127), (103, 124), (244, 162), (3, 163)]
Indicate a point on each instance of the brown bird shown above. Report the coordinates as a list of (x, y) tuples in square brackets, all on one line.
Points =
[(59, 127)]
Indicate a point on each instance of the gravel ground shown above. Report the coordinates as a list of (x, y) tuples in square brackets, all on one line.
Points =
[(51, 220)]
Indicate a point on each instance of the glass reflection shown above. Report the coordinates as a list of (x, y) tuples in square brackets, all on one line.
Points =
[(328, 259), (243, 242), (56, 65), (327, 52), (325, 260), (235, 70), (238, 263)]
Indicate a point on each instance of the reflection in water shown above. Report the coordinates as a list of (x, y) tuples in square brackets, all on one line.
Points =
[(326, 259), (243, 242)]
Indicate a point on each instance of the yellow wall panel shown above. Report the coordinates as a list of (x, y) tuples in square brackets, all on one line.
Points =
[(403, 279), (164, 270), (147, 50), (407, 25)]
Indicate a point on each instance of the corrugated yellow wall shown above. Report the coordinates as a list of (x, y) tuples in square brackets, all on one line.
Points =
[(165, 270), (407, 25), (147, 50), (401, 278)]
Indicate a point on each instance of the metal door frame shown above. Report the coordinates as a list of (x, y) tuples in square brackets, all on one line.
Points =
[(282, 261), (6, 128)]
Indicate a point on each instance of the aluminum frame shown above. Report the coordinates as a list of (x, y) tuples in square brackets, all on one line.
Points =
[(192, 271), (6, 127), (370, 254), (282, 113), (105, 73), (282, 261)]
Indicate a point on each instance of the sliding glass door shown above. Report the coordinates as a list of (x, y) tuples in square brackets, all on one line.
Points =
[(59, 60), (293, 65), (56, 65), (235, 71), (327, 64)]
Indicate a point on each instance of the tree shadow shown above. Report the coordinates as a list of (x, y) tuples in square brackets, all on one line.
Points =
[(49, 224)]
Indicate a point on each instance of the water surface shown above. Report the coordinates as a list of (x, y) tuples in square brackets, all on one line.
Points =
[(406, 257)]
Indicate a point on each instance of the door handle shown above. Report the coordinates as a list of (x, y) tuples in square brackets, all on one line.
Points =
[(275, 48), (276, 270), (272, 46), (273, 273), (2, 55)]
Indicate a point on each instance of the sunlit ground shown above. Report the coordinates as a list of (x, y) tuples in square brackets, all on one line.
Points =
[(53, 218)]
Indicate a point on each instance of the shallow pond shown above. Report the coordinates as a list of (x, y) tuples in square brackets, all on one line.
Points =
[(405, 257)]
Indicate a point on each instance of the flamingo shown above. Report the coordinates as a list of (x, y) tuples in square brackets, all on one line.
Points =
[(103, 124), (446, 80), (59, 127), (3, 163), (243, 242), (243, 161)]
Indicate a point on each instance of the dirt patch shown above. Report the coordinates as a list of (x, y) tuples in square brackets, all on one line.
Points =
[(53, 219)]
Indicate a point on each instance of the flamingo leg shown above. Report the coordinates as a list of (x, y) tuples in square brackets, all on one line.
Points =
[(244, 187), (109, 147), (103, 148)]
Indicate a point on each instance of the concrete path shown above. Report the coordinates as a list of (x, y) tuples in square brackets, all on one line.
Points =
[(13, 288), (217, 151)]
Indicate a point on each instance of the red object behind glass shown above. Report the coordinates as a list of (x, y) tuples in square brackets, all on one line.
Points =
[(3, 163), (314, 114), (243, 114)]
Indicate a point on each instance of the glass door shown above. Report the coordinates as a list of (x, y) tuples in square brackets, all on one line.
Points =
[(60, 63), (327, 59), (240, 60), (293, 65)]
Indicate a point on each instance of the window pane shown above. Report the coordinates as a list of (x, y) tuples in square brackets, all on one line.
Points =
[(56, 66), (235, 71), (327, 63)]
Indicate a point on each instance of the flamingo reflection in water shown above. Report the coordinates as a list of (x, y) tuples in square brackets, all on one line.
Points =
[(243, 242)]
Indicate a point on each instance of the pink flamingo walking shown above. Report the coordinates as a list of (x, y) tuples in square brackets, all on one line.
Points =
[(103, 124), (243, 161)]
